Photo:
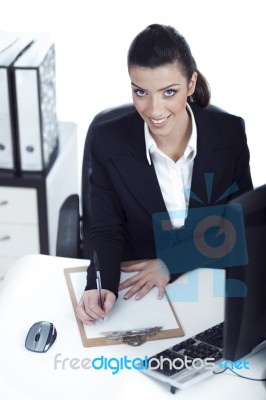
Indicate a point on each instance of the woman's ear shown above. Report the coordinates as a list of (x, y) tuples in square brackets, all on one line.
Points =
[(192, 83)]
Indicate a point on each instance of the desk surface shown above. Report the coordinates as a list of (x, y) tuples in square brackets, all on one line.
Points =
[(35, 289)]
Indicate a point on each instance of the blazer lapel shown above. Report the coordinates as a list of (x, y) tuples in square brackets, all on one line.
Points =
[(206, 178)]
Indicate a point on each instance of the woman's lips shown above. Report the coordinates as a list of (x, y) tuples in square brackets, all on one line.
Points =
[(159, 122)]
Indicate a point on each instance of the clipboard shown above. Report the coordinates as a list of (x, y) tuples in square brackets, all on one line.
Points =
[(140, 320)]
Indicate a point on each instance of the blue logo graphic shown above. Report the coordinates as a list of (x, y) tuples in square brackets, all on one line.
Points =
[(212, 237)]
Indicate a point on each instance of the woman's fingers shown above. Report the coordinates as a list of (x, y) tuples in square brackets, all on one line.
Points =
[(150, 273), (88, 309)]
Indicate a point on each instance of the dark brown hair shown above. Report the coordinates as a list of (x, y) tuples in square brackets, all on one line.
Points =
[(159, 45)]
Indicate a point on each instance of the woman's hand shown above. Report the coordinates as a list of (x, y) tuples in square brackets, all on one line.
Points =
[(150, 273), (88, 309)]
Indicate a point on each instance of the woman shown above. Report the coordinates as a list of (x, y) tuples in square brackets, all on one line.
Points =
[(150, 160)]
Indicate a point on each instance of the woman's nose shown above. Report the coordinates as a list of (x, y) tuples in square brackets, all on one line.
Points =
[(155, 107)]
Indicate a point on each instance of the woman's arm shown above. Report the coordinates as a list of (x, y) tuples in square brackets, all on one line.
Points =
[(242, 174), (106, 233)]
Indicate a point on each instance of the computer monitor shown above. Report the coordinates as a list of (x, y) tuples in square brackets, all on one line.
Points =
[(245, 317)]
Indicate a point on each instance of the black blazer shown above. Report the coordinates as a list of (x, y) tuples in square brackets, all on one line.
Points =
[(125, 191)]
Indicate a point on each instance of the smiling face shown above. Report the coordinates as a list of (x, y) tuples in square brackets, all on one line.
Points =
[(160, 96)]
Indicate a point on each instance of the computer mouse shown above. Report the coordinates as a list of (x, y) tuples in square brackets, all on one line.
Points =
[(40, 337)]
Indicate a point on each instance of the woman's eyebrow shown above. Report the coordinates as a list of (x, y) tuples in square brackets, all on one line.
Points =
[(138, 87), (169, 86), (159, 90)]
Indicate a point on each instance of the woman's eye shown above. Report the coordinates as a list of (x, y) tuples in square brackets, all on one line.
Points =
[(139, 93), (169, 92)]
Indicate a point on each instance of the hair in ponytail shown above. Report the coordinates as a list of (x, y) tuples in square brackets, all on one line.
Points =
[(159, 45)]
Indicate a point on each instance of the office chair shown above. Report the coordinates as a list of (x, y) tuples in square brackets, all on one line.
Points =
[(73, 225)]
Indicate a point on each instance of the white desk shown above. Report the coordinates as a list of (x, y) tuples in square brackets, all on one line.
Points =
[(35, 289)]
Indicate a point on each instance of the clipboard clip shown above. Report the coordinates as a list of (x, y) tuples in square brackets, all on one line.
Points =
[(133, 337)]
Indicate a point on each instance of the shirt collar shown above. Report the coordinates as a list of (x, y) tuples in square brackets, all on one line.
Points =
[(191, 148)]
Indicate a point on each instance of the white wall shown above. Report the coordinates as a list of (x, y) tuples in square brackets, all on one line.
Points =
[(227, 38)]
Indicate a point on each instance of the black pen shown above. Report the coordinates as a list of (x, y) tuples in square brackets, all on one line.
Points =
[(98, 279)]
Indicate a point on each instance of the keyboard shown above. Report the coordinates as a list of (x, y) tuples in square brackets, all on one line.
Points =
[(190, 361)]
